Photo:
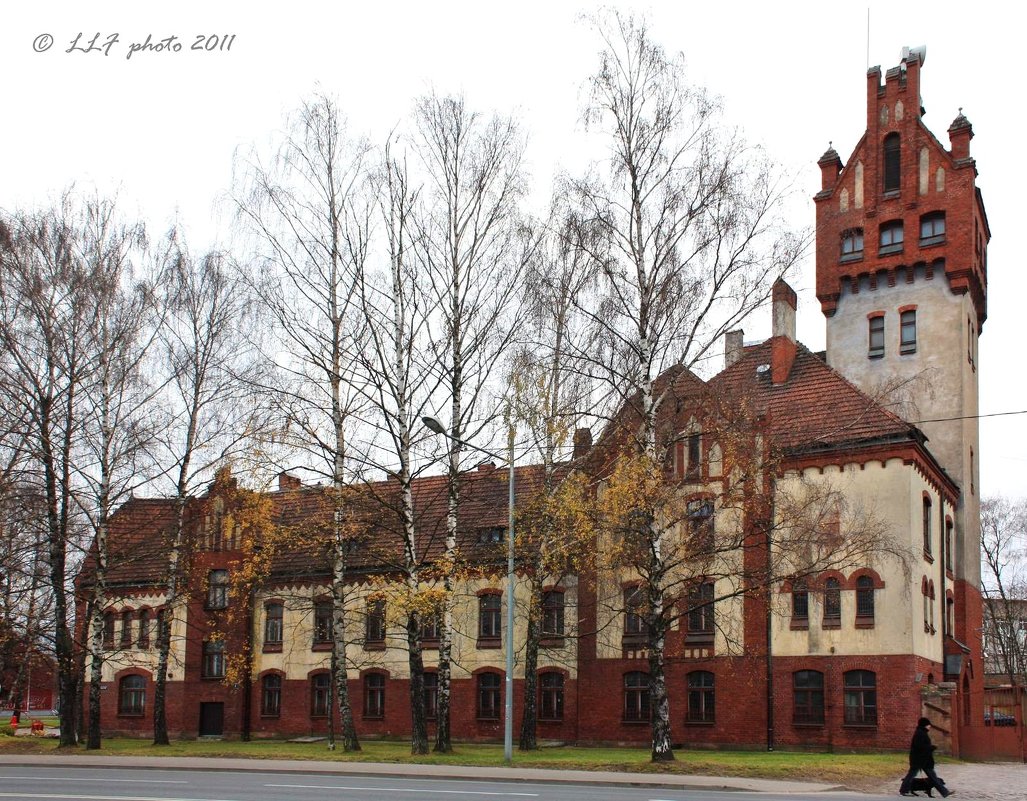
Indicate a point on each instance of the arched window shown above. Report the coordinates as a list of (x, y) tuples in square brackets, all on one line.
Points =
[(374, 695), (832, 602), (700, 697), (636, 696), (892, 163), (489, 617), (860, 687), (550, 696), (271, 695), (320, 694), (864, 600), (808, 697), (927, 524), (132, 695), (852, 244), (489, 696)]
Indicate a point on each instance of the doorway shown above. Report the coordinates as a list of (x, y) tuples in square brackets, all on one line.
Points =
[(212, 719)]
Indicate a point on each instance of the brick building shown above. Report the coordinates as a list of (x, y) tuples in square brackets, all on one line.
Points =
[(846, 658)]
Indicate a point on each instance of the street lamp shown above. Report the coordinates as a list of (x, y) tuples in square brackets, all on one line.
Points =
[(434, 425)]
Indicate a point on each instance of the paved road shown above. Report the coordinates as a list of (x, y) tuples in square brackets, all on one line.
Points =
[(36, 783)]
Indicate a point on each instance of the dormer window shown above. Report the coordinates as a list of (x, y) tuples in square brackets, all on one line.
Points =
[(891, 238), (892, 163), (932, 228), (493, 535), (852, 244)]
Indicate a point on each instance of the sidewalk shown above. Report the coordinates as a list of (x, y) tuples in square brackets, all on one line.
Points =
[(680, 782)]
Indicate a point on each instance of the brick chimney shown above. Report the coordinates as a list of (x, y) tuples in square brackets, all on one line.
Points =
[(733, 341), (287, 482), (582, 442), (486, 467), (960, 134), (782, 346)]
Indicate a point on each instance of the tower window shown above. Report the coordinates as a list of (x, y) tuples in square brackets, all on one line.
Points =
[(907, 335), (892, 163), (852, 244), (891, 238), (876, 337), (927, 525), (932, 228)]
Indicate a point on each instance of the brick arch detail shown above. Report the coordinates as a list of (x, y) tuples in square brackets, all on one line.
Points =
[(878, 582)]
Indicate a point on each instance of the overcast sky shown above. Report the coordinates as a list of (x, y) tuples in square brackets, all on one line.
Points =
[(162, 128)]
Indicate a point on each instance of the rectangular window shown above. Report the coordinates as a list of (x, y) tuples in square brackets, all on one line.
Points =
[(808, 697), (700, 697), (932, 228), (832, 602), (550, 696), (108, 630), (852, 244), (132, 698), (636, 696), (552, 614), (876, 337), (271, 695), (907, 336), (892, 162), (860, 698), (948, 545), (374, 695), (126, 629), (693, 452), (323, 622), (143, 640), (374, 628), (490, 617), (431, 695), (927, 525), (320, 695), (700, 526), (430, 627), (217, 589), (489, 696), (700, 612), (864, 600), (213, 666), (634, 621), (800, 602), (891, 238), (273, 628)]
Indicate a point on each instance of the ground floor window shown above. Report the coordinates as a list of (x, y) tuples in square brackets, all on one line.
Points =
[(132, 695), (550, 696), (320, 695), (431, 695), (860, 698), (636, 696), (489, 696), (700, 697), (374, 695), (808, 697), (271, 695)]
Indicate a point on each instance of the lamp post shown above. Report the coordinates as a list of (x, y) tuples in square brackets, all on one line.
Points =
[(434, 425)]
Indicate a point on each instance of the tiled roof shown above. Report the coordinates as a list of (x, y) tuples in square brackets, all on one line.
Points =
[(815, 408)]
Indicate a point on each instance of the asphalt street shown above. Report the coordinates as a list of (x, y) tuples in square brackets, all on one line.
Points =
[(29, 783)]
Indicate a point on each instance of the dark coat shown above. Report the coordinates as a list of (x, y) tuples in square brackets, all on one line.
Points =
[(921, 750)]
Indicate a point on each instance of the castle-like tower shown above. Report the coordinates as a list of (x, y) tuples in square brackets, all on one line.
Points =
[(902, 240)]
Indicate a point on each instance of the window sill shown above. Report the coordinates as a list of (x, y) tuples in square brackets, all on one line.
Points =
[(374, 646), (131, 714), (488, 720), (874, 354), (891, 193), (429, 645), (906, 350), (318, 716), (808, 725), (634, 722), (699, 638), (322, 646), (833, 623), (272, 648), (931, 241), (373, 717), (864, 622), (889, 250), (214, 608), (634, 641), (867, 727), (928, 558), (799, 624), (212, 678), (552, 642), (551, 721), (489, 643), (701, 723), (851, 257), (270, 715)]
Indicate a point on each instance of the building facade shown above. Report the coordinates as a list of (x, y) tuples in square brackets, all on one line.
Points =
[(883, 422)]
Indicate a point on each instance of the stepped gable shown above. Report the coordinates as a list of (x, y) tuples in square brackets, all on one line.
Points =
[(815, 408)]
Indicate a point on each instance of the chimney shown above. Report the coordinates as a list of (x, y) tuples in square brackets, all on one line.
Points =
[(287, 482), (486, 467), (830, 166), (582, 442), (733, 346), (782, 346)]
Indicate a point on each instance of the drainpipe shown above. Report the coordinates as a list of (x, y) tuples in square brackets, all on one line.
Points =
[(770, 620)]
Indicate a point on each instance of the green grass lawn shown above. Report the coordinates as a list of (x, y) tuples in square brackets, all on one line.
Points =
[(852, 770)]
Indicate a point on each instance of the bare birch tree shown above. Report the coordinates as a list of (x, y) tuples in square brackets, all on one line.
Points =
[(469, 246), (682, 223), (1004, 552), (206, 346), (311, 228)]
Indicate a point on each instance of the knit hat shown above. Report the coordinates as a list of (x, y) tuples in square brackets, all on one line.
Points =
[(923, 723)]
